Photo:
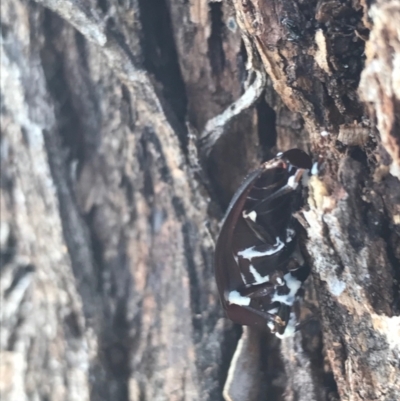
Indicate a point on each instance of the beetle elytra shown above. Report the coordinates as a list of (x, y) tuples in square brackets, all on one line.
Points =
[(258, 264)]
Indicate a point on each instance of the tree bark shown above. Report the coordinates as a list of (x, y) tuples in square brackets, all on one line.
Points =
[(126, 127)]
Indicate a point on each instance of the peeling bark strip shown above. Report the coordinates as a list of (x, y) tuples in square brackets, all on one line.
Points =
[(107, 239)]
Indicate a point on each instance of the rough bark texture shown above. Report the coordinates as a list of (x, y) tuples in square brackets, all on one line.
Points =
[(108, 218)]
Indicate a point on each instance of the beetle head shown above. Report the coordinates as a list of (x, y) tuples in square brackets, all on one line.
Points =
[(297, 158)]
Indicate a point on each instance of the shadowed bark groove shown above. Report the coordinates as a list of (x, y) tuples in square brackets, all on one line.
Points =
[(108, 223)]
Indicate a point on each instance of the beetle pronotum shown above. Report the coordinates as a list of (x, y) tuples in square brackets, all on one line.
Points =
[(258, 265)]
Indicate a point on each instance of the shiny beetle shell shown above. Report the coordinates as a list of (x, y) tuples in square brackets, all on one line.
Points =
[(258, 264)]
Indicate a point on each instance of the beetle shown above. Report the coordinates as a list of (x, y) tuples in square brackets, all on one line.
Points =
[(259, 268)]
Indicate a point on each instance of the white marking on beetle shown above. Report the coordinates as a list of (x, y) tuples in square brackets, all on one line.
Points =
[(243, 278), (324, 133), (290, 234), (290, 327), (293, 284), (252, 252), (237, 299), (273, 311), (271, 326), (292, 182), (279, 281), (252, 215), (314, 169), (258, 278)]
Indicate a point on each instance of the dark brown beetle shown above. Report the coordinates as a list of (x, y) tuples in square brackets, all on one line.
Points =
[(258, 265)]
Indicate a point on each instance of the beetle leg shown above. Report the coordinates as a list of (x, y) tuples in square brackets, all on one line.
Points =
[(258, 251), (279, 314), (305, 319), (294, 265), (257, 291), (249, 316), (280, 320), (258, 230), (291, 185), (264, 263), (244, 296), (282, 317), (290, 328)]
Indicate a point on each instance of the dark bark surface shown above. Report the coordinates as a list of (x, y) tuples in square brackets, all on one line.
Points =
[(126, 126)]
